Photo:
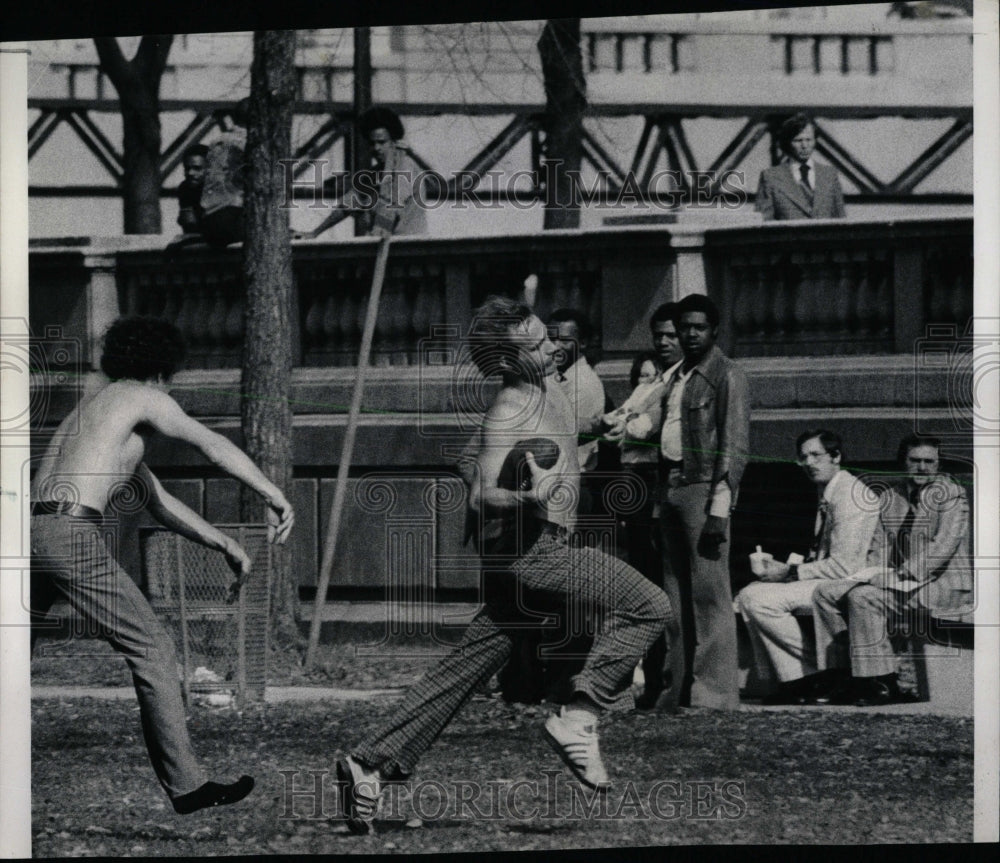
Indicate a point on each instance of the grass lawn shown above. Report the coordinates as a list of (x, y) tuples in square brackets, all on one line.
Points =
[(491, 783)]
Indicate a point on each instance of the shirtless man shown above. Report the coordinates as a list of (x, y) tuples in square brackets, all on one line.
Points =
[(507, 339), (95, 451)]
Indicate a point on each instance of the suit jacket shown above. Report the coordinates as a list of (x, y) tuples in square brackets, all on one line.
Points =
[(780, 195), (939, 542), (846, 542)]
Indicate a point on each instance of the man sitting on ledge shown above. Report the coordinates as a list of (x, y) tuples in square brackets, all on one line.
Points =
[(845, 524), (923, 563)]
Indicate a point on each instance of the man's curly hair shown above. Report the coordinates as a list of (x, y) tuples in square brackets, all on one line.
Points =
[(490, 343), (142, 349)]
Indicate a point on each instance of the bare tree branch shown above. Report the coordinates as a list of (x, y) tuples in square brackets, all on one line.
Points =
[(113, 61), (152, 55)]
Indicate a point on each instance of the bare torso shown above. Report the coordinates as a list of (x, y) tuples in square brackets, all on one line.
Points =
[(97, 447), (526, 412)]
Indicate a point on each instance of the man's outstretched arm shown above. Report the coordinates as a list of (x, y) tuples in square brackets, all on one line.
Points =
[(338, 215), (180, 518), (166, 416)]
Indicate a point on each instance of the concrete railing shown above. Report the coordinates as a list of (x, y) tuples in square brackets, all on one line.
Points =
[(785, 289)]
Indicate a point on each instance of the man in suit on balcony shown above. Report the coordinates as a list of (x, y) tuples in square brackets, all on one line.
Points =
[(921, 562), (799, 188)]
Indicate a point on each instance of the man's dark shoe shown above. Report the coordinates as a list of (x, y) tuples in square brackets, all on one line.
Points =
[(213, 794), (844, 692), (806, 690), (648, 699), (782, 696), (360, 793), (878, 691)]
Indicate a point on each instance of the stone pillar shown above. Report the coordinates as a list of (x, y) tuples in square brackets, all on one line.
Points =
[(100, 303), (688, 243)]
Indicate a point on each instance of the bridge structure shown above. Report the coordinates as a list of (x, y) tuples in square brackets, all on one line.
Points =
[(655, 84)]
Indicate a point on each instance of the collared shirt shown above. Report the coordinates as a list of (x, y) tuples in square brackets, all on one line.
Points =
[(396, 209), (670, 436), (821, 530), (586, 393)]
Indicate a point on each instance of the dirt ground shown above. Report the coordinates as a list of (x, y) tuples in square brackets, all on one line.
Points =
[(491, 783)]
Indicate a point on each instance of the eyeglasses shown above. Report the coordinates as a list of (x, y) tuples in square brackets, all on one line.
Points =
[(805, 457)]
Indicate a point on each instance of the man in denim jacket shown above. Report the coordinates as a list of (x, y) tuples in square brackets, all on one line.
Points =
[(703, 451)]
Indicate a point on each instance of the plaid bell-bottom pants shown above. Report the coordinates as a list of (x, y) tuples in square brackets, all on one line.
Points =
[(629, 611)]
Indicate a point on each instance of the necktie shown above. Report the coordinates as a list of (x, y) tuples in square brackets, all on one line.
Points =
[(818, 549), (901, 547), (806, 187)]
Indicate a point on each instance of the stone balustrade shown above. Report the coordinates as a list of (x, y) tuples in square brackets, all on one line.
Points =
[(813, 290), (786, 289)]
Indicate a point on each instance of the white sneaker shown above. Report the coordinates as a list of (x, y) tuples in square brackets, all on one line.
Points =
[(576, 743), (360, 795)]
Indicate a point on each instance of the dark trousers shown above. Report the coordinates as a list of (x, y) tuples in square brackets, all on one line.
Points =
[(223, 227), (642, 543)]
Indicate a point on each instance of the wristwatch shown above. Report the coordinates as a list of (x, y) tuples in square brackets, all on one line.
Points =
[(793, 572)]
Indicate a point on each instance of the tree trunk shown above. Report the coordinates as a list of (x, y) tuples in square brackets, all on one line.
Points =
[(137, 82), (267, 268), (141, 176), (565, 101)]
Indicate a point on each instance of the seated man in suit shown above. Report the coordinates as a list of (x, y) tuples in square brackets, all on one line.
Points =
[(799, 188), (846, 519), (922, 562)]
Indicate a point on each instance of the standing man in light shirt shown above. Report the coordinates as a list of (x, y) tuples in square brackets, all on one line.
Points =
[(846, 519), (799, 188), (640, 455), (572, 334), (704, 445)]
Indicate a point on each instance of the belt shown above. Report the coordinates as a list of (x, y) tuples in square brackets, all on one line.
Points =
[(74, 510), (667, 465), (550, 528)]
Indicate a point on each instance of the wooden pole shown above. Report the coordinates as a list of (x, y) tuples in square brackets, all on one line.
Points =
[(330, 546), (361, 151)]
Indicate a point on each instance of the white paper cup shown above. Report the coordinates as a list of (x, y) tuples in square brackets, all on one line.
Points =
[(758, 562)]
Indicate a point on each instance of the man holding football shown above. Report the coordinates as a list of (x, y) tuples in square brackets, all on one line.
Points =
[(531, 553)]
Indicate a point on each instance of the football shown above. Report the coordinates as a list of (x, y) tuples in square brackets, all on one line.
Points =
[(514, 473)]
